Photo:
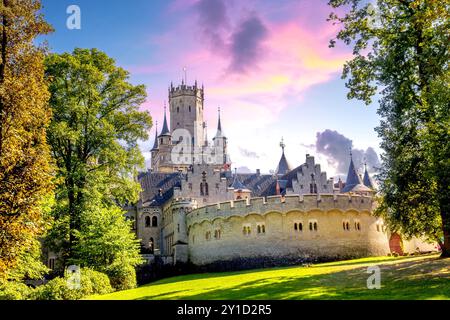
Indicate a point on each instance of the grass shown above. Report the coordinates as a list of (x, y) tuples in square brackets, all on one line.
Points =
[(416, 277)]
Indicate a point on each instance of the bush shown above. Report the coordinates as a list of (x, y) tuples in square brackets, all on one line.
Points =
[(92, 282), (122, 277), (13, 290)]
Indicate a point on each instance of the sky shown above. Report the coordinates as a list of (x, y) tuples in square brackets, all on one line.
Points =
[(265, 63)]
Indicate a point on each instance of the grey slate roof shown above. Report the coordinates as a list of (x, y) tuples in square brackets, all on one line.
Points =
[(368, 182), (156, 145), (283, 165), (165, 129), (152, 182), (354, 182)]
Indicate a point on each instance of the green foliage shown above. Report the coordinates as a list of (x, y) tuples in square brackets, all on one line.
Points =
[(25, 161), (93, 136), (13, 290), (105, 242), (92, 283), (401, 52)]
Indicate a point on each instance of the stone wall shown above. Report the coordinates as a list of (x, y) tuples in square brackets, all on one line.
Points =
[(255, 228)]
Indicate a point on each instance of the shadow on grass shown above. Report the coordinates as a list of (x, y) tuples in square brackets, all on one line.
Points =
[(403, 281)]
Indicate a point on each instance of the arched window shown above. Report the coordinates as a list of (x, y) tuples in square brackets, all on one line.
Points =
[(189, 108), (311, 188), (259, 229), (263, 229), (310, 226), (154, 221), (295, 226), (343, 225), (315, 226), (147, 222), (206, 189), (202, 192), (300, 226)]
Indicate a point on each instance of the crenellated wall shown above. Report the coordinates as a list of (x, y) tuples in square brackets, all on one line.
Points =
[(259, 228)]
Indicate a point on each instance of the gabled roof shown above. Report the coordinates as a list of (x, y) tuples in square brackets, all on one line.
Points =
[(237, 184)]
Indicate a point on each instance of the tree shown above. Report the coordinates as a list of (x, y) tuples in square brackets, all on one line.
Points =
[(93, 138), (402, 47), (25, 162), (105, 240)]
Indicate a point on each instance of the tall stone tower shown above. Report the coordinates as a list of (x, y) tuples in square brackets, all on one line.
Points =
[(186, 111)]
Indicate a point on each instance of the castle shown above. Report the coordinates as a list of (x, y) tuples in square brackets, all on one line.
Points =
[(193, 208)]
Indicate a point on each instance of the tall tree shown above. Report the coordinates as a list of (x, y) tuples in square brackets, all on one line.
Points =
[(93, 136), (402, 47), (25, 162)]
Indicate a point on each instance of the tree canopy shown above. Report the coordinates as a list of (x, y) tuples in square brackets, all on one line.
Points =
[(401, 53)]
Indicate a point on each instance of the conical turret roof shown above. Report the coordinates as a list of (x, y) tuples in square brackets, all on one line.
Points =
[(368, 182), (165, 129), (354, 181), (283, 166), (155, 144)]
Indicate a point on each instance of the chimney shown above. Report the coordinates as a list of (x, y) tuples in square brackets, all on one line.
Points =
[(258, 172)]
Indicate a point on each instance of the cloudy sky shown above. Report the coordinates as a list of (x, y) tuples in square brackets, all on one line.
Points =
[(265, 63)]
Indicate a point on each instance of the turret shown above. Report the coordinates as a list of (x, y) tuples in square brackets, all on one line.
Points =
[(165, 138), (368, 182), (354, 182), (283, 165), (221, 142)]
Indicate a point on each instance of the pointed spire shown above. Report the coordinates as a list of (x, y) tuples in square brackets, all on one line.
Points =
[(219, 133), (368, 182), (354, 181), (283, 165), (156, 145), (165, 129)]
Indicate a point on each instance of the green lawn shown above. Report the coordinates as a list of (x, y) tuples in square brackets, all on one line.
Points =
[(417, 277)]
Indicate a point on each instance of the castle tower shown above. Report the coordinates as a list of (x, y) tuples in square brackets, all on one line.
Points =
[(186, 111), (354, 182), (161, 157), (368, 182)]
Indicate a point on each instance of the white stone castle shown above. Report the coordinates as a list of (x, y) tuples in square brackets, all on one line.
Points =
[(193, 208)]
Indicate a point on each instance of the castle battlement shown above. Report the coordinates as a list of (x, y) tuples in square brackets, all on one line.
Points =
[(185, 90), (301, 203)]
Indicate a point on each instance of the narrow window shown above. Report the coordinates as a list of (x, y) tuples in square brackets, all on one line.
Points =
[(154, 222), (259, 229), (300, 226), (147, 222), (310, 226), (295, 226), (263, 228), (206, 189), (315, 226), (343, 225), (189, 108), (202, 193)]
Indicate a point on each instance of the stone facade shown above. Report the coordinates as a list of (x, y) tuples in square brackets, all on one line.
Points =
[(202, 213)]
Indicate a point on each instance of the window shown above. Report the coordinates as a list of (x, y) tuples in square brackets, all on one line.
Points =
[(378, 227), (202, 193), (357, 225), (310, 226), (206, 189), (178, 109), (346, 225), (300, 226), (261, 228), (154, 222), (295, 226), (147, 222), (208, 235), (246, 230), (217, 234), (315, 226), (189, 108)]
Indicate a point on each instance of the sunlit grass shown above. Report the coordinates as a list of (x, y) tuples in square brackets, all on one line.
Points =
[(418, 277)]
